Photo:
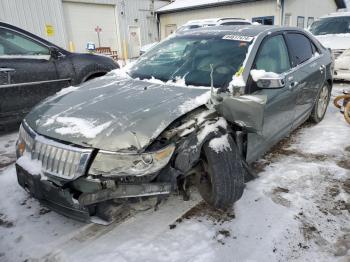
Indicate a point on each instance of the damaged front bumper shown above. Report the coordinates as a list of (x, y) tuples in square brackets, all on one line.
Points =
[(82, 206), (56, 174)]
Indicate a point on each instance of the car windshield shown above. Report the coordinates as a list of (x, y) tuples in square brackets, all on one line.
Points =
[(331, 25), (190, 58)]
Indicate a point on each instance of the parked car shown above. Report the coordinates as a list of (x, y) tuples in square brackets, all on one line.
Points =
[(333, 31), (32, 69), (193, 24), (200, 106)]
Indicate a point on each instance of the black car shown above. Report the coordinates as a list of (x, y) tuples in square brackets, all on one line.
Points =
[(32, 69)]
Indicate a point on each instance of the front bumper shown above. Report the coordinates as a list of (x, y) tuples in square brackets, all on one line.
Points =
[(54, 197), (342, 68), (83, 208)]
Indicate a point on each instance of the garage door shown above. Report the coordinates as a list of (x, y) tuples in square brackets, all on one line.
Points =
[(81, 21)]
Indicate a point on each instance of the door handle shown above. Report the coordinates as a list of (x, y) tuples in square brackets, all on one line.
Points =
[(322, 68), (293, 84), (8, 71)]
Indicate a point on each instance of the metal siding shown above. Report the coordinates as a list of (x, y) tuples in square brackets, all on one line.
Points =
[(33, 15), (81, 28), (103, 2), (147, 22)]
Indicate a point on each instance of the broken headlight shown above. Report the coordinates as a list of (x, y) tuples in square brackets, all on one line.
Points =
[(129, 164)]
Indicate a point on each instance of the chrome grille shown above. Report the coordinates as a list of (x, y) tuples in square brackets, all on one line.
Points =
[(337, 52), (57, 159)]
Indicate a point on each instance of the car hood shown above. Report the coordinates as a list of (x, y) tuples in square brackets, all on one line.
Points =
[(113, 113), (338, 41)]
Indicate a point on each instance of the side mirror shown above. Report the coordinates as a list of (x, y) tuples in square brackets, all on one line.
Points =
[(271, 83), (55, 52), (268, 80)]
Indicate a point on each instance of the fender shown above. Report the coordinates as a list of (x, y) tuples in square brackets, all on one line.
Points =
[(189, 150)]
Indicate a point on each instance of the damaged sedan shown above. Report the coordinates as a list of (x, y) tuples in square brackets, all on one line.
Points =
[(196, 109)]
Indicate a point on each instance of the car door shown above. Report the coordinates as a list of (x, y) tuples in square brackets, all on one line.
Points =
[(273, 56), (28, 74), (309, 74)]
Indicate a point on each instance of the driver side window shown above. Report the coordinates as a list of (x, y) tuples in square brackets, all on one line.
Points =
[(12, 43), (273, 56)]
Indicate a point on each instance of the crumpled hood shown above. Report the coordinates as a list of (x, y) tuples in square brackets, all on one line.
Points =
[(113, 113), (340, 41)]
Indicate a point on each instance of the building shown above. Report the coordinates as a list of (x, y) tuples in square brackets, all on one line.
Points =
[(123, 25), (269, 12)]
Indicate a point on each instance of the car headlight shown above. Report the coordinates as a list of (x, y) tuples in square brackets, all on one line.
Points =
[(125, 164), (25, 141)]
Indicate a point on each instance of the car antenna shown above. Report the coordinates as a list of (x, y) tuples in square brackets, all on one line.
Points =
[(211, 80)]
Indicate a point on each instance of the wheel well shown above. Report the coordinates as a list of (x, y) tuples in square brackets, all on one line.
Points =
[(94, 75), (330, 82)]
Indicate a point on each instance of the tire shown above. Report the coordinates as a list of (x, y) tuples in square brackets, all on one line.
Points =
[(221, 182), (319, 110)]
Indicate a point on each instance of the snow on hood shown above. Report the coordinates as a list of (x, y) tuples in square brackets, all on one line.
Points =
[(337, 41), (114, 113)]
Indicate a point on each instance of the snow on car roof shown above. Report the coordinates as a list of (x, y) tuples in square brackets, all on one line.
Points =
[(336, 14), (242, 30), (186, 4)]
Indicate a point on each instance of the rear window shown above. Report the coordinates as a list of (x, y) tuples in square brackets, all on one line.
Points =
[(331, 25), (300, 47)]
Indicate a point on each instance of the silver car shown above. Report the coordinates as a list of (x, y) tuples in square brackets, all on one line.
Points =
[(199, 107)]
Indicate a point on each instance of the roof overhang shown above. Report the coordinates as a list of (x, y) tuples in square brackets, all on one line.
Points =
[(164, 10)]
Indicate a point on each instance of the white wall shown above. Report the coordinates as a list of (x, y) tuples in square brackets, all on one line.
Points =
[(243, 10), (308, 8), (33, 15)]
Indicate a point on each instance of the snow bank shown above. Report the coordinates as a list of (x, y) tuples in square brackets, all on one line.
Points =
[(220, 144), (259, 74), (84, 127)]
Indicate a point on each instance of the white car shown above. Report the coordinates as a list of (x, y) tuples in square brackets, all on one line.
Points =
[(192, 24), (333, 31)]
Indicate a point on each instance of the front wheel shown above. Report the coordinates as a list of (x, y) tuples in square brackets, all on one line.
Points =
[(221, 180), (322, 101)]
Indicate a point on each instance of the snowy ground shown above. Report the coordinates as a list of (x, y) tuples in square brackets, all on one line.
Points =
[(297, 210)]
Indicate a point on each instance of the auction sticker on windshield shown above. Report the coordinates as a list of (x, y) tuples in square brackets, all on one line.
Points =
[(238, 38)]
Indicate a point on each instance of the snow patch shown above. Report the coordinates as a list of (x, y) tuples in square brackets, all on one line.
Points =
[(259, 74), (220, 144), (195, 102), (66, 90), (84, 127), (30, 165), (210, 128)]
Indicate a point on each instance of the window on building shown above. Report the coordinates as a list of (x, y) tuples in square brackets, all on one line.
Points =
[(273, 56), (300, 46), (300, 21), (265, 20), (287, 19), (310, 20)]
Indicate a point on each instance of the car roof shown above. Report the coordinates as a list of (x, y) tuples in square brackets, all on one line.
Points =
[(241, 30), (212, 20), (337, 14)]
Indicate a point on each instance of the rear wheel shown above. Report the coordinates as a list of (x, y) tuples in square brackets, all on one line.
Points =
[(221, 180), (322, 101)]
